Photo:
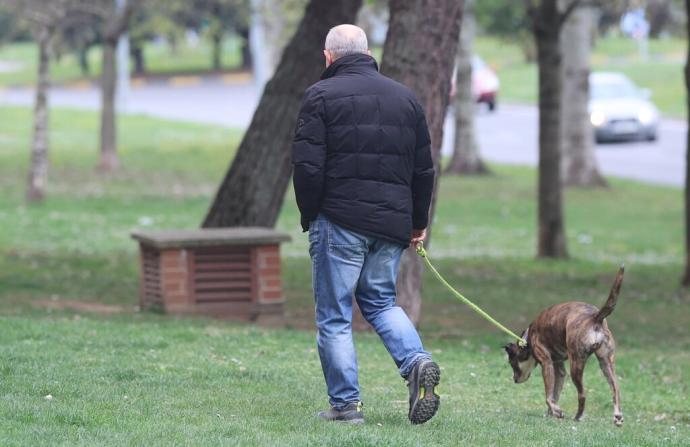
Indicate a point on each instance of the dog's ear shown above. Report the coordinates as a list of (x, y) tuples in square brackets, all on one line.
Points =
[(509, 349)]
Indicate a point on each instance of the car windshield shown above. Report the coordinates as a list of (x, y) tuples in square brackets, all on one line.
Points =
[(611, 89)]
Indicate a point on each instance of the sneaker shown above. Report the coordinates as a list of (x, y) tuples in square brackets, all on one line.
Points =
[(352, 414), (422, 383)]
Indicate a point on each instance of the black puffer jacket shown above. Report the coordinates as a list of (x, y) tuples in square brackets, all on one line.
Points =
[(361, 153)]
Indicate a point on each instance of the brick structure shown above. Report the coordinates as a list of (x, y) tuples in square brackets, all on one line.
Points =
[(225, 273)]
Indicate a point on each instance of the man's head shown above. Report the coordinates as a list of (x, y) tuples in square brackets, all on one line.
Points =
[(343, 40)]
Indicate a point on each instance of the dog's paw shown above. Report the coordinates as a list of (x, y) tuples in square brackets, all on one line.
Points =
[(618, 419), (555, 412), (579, 417)]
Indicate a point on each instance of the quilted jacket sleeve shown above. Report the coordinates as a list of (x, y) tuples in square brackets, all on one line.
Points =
[(309, 156), (423, 176)]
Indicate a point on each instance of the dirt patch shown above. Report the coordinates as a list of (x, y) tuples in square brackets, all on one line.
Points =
[(80, 306)]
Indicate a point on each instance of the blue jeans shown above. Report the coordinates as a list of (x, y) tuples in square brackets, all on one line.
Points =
[(346, 264)]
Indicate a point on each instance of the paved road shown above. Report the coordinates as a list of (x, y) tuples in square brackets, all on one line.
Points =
[(510, 136), (211, 100), (507, 136)]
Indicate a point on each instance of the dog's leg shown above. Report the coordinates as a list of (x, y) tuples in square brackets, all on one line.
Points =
[(607, 364), (577, 367), (559, 368), (548, 372)]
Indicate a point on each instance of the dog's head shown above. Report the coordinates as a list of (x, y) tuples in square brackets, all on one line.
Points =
[(521, 360)]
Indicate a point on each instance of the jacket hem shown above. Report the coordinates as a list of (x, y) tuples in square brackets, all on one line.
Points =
[(405, 244)]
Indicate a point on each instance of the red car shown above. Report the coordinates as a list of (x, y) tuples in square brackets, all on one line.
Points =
[(485, 83)]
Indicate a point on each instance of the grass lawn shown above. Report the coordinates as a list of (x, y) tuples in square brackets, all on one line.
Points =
[(159, 59), (141, 378)]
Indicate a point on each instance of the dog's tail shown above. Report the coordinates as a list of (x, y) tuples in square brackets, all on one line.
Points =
[(613, 297)]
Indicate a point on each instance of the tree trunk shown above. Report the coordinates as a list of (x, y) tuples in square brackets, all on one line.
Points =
[(38, 169), (423, 62), (254, 186), (139, 61), (84, 60), (551, 236), (115, 25), (579, 163), (658, 13), (686, 276), (466, 158), (173, 43), (246, 50), (109, 160), (217, 49)]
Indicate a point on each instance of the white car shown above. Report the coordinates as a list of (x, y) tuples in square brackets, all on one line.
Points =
[(619, 110)]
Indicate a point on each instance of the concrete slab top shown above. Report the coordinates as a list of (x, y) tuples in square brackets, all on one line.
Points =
[(210, 237)]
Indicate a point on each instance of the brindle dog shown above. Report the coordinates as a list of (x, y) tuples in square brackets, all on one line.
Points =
[(569, 331)]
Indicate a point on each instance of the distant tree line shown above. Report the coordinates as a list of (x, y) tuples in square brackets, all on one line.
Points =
[(507, 19), (166, 20)]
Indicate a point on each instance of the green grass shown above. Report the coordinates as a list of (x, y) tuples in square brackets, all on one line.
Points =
[(205, 382), (662, 73), (159, 59), (147, 380)]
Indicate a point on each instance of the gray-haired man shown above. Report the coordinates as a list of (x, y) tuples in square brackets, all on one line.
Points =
[(363, 181)]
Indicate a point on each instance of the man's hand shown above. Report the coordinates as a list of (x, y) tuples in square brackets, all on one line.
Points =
[(418, 236)]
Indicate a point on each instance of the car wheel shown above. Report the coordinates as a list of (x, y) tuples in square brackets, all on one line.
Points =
[(492, 105), (651, 136)]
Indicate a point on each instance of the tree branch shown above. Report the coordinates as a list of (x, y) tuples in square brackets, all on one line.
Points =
[(568, 10), (121, 21)]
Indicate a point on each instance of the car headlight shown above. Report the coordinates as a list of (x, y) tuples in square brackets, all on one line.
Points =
[(597, 118), (646, 116)]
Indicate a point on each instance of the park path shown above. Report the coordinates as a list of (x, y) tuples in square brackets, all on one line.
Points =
[(507, 136)]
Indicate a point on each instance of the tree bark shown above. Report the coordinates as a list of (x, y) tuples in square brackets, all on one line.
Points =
[(217, 50), (659, 15), (246, 50), (546, 23), (579, 163), (466, 158), (139, 61), (423, 62), (83, 54), (253, 189), (38, 168), (115, 25), (109, 159), (686, 276)]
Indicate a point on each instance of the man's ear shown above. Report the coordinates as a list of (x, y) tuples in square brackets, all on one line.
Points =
[(328, 56)]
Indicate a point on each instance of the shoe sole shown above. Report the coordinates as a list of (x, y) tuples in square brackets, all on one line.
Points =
[(427, 405)]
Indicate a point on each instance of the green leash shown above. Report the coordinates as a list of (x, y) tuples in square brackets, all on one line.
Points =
[(421, 252)]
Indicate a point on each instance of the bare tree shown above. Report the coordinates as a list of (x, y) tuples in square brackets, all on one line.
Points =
[(254, 186), (547, 21), (424, 62), (579, 163), (46, 19), (466, 158), (115, 22)]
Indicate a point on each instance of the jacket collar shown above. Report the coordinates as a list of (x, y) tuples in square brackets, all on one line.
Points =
[(352, 63)]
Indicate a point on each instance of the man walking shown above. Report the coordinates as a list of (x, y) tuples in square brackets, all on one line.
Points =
[(363, 180)]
